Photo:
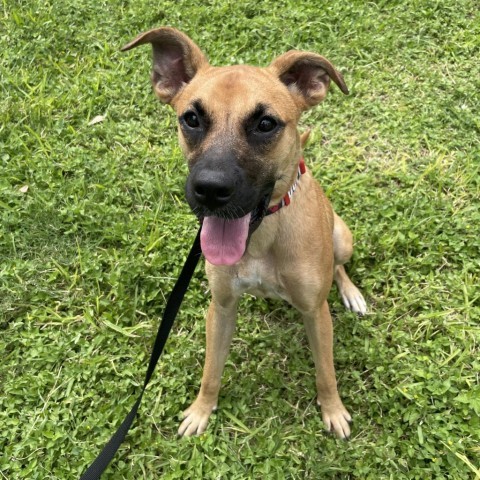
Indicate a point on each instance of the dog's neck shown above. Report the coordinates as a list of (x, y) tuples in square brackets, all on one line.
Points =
[(287, 197)]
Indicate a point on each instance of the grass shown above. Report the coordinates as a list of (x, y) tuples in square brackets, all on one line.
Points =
[(94, 230)]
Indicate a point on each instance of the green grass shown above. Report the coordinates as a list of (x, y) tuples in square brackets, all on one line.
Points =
[(94, 230)]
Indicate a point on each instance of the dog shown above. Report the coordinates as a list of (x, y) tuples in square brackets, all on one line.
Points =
[(268, 228)]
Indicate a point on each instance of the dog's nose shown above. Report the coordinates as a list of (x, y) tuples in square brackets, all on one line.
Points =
[(214, 189)]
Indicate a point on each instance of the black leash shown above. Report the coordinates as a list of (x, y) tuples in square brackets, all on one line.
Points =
[(173, 304)]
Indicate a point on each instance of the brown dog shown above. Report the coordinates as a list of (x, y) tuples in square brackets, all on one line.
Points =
[(238, 130)]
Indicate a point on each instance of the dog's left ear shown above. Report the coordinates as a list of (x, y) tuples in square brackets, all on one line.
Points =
[(307, 76), (176, 60)]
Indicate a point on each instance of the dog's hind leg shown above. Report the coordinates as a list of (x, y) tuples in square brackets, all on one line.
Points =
[(342, 250)]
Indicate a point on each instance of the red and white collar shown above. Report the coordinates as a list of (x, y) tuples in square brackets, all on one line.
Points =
[(288, 196)]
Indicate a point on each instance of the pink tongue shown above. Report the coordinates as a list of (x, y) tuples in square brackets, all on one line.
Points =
[(224, 241)]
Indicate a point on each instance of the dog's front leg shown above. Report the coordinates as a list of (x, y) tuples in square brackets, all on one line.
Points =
[(220, 329), (318, 325)]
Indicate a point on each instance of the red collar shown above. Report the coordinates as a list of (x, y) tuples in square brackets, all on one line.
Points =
[(287, 197)]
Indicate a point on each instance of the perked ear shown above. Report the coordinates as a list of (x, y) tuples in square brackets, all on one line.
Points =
[(307, 76), (176, 60)]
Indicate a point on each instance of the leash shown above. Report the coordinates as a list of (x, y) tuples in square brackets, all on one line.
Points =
[(96, 469)]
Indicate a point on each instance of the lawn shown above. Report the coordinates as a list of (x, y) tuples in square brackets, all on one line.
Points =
[(94, 230)]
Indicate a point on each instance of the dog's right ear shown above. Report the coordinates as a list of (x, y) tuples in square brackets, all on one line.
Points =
[(176, 60)]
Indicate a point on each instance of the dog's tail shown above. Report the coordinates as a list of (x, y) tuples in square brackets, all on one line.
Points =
[(304, 137)]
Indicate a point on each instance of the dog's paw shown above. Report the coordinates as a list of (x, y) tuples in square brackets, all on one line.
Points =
[(195, 419), (337, 420), (353, 299)]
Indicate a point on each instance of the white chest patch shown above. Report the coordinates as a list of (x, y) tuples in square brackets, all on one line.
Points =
[(259, 278)]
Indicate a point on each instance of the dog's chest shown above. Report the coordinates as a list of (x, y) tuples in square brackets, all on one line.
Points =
[(259, 277)]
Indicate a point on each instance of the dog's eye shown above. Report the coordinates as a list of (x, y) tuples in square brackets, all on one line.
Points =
[(191, 119), (266, 124)]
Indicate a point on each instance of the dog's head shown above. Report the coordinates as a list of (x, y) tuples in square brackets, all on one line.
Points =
[(238, 130)]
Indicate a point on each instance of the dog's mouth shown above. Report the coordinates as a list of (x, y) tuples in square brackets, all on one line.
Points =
[(224, 240)]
